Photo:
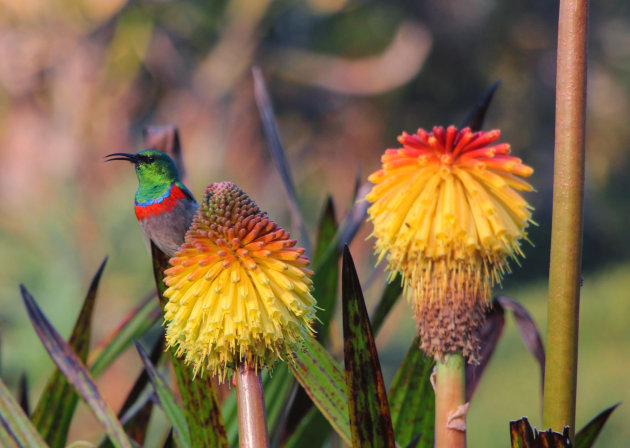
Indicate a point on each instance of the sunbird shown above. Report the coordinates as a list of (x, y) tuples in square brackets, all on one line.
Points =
[(164, 206)]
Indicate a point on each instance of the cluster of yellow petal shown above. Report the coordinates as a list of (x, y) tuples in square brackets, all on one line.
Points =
[(238, 288), (447, 214)]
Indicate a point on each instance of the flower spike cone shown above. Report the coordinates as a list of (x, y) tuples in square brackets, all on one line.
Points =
[(448, 216), (238, 288)]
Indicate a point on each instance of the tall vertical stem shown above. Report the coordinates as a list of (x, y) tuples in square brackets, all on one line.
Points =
[(450, 394), (252, 420), (566, 235)]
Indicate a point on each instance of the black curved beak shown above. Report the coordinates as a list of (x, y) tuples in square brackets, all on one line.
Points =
[(133, 158)]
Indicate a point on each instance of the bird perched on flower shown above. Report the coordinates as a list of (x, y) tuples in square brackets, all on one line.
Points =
[(448, 217), (239, 290), (164, 206)]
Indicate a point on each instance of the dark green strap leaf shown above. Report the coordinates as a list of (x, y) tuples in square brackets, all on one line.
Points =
[(587, 435), (23, 394), (312, 431), (53, 414), (371, 424), (270, 129), (326, 230), (278, 388), (326, 276), (475, 118), (412, 400), (201, 404), (15, 428), (74, 370), (167, 400), (323, 380), (229, 411)]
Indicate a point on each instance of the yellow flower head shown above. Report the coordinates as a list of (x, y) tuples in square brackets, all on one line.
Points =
[(447, 215), (238, 288)]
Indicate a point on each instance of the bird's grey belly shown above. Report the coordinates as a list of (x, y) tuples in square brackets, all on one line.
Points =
[(167, 230)]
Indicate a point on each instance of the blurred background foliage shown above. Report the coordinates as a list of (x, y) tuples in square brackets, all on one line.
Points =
[(81, 78)]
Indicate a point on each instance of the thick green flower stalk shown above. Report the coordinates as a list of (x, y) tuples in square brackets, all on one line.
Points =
[(566, 229)]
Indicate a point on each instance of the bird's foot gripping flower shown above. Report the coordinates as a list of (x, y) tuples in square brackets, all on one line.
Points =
[(447, 215), (238, 288)]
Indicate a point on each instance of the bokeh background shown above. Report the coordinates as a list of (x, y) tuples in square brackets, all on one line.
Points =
[(79, 79)]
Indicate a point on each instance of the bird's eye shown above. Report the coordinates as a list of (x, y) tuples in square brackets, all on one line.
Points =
[(150, 159)]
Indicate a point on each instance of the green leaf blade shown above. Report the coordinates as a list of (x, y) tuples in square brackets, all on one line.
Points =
[(326, 278), (324, 382), (56, 406), (15, 428), (588, 435), (167, 400), (74, 371), (312, 431), (392, 292), (370, 419), (412, 400)]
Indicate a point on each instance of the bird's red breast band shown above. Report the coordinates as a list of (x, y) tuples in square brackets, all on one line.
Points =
[(157, 207)]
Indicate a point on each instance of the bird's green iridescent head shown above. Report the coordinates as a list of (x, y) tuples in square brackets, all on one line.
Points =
[(156, 172)]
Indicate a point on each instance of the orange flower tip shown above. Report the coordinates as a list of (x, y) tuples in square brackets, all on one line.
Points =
[(523, 170), (246, 302)]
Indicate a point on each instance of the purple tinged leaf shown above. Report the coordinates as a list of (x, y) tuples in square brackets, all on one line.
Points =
[(522, 435), (135, 412), (528, 330), (588, 435), (491, 333), (477, 115), (370, 420), (167, 399), (143, 379), (270, 129), (74, 370), (15, 428), (489, 337), (56, 406), (355, 217)]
